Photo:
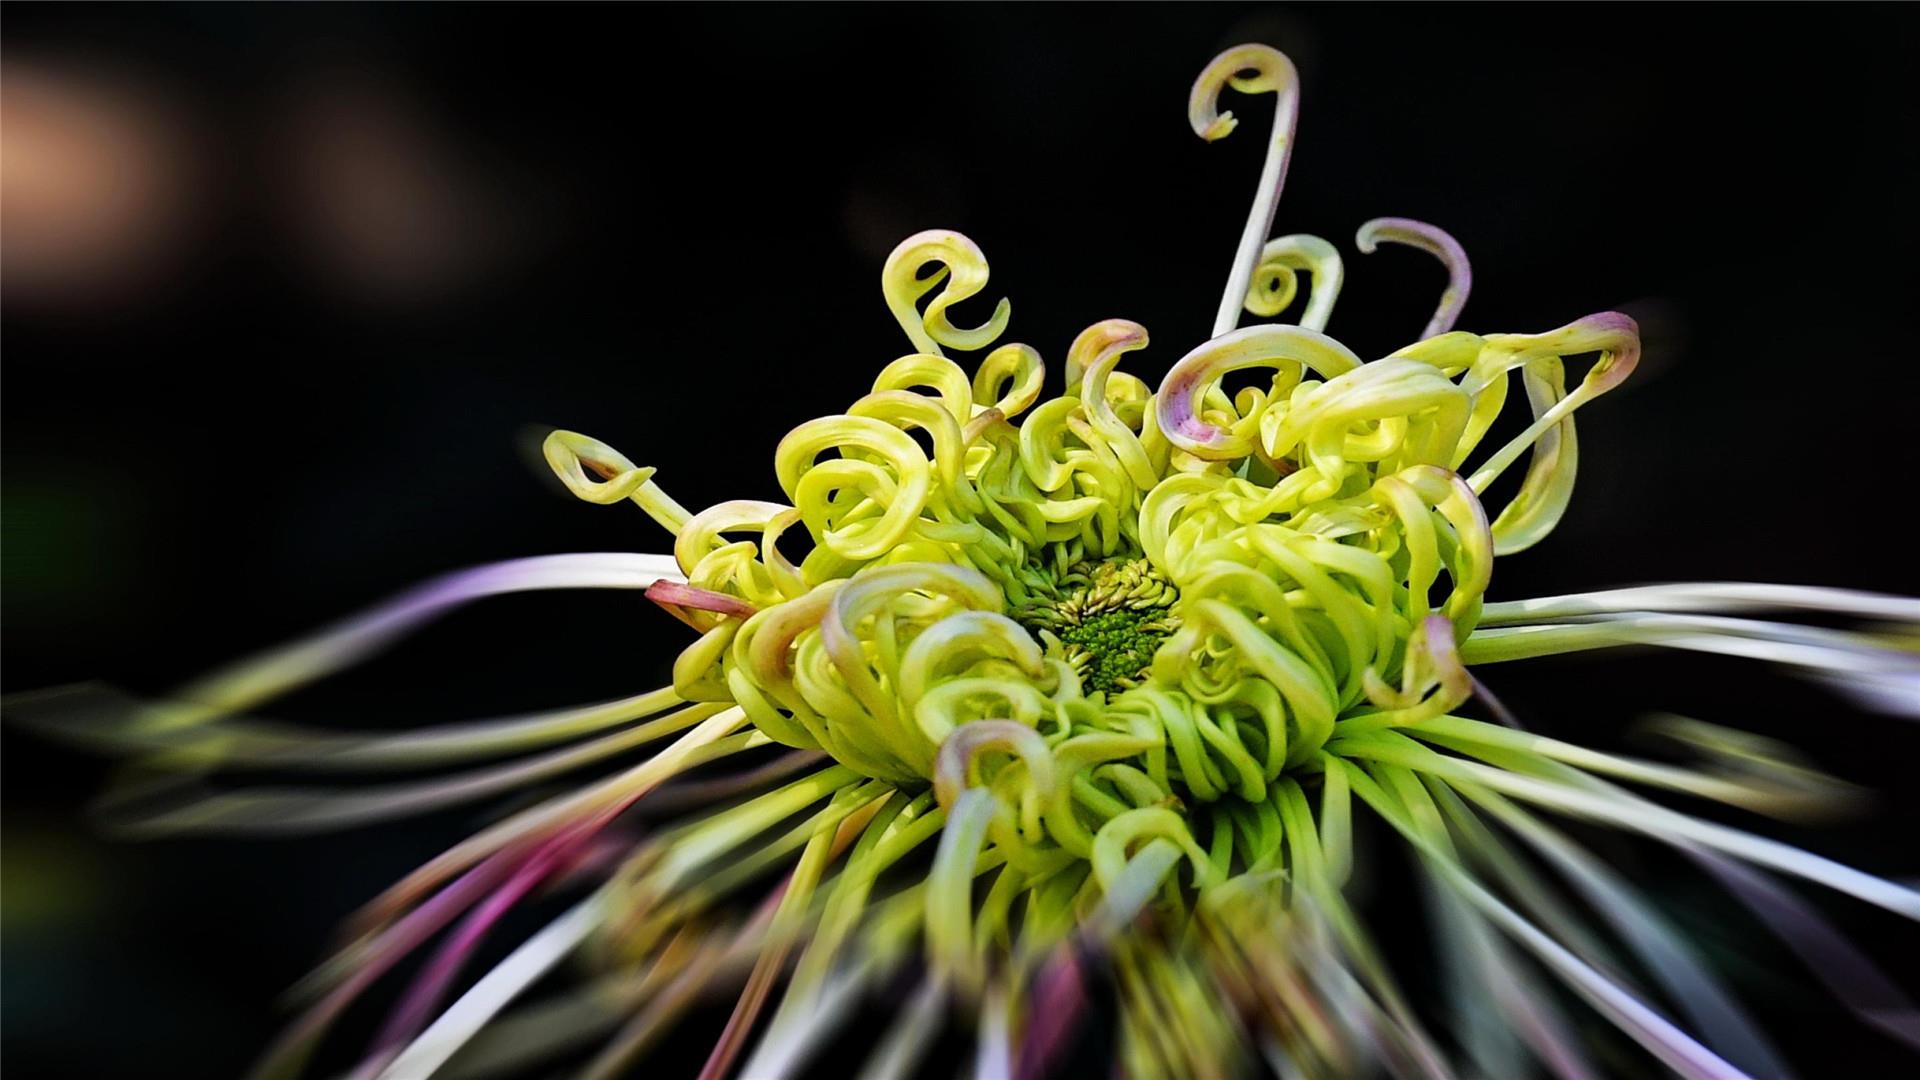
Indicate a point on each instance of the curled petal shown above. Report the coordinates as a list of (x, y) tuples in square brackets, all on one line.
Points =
[(703, 537), (960, 639), (1548, 486), (1434, 241), (937, 373), (1009, 380), (1276, 279), (910, 411), (1283, 347), (1275, 284), (1094, 353), (1147, 823), (572, 455), (1250, 69), (959, 757), (901, 467), (965, 275), (1433, 681)]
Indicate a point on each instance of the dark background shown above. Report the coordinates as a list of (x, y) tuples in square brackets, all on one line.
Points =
[(292, 292)]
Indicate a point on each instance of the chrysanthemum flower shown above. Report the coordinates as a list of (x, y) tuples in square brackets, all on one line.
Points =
[(1033, 688)]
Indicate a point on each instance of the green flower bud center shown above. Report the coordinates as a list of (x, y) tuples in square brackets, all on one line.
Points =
[(1108, 619)]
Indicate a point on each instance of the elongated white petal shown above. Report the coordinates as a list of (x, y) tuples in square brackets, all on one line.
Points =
[(513, 1044), (912, 1033), (786, 1047), (1474, 738), (1846, 972), (270, 811), (1485, 964), (252, 681), (1664, 824), (1896, 693), (689, 749), (497, 989), (1689, 984), (103, 718), (1656, 1033), (1707, 596), (1485, 1027), (993, 1052), (1819, 650)]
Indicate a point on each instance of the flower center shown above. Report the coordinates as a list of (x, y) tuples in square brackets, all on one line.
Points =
[(1108, 619)]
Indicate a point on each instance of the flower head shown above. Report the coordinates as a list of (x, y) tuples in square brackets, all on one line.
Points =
[(1031, 683)]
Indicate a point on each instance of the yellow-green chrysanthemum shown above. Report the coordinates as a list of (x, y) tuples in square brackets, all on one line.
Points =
[(1088, 680)]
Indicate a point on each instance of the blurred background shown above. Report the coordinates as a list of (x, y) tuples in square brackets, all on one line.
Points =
[(291, 293)]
